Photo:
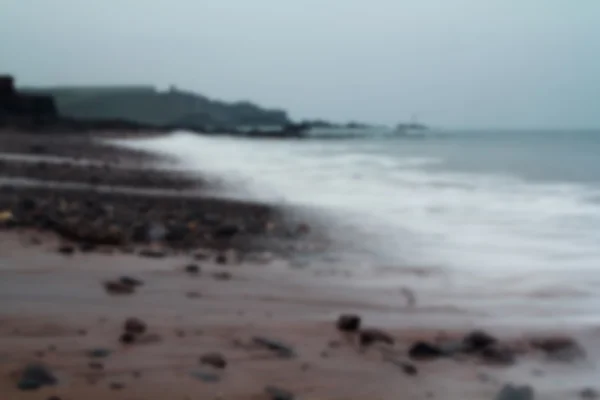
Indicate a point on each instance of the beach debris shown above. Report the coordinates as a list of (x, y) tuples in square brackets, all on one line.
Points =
[(118, 288), (424, 351), (153, 253), (512, 392), (208, 377), (216, 360), (54, 398), (589, 394), (282, 349), (66, 249), (192, 269), (276, 393), (562, 349), (222, 276), (35, 376), (478, 340), (135, 326), (99, 353), (371, 335), (348, 323)]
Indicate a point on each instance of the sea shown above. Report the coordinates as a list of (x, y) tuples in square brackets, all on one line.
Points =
[(481, 220)]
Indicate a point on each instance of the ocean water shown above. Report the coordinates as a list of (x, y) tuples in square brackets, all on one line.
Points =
[(511, 219)]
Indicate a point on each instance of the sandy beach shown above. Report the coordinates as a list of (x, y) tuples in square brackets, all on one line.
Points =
[(222, 307)]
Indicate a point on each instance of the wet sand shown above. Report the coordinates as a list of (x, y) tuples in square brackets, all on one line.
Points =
[(54, 309)]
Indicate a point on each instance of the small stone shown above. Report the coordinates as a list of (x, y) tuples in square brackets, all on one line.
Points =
[(66, 249), (478, 340), (372, 335), (54, 398), (82, 332), (151, 253), (226, 231), (276, 393), (127, 338), (559, 348), (118, 288), (424, 350), (99, 353), (222, 276), (282, 349), (193, 295), (192, 269), (348, 323), (96, 365), (589, 394), (35, 376), (87, 247), (40, 354), (135, 326), (117, 386), (208, 377), (221, 259), (498, 355), (130, 281), (510, 392), (216, 360), (334, 344)]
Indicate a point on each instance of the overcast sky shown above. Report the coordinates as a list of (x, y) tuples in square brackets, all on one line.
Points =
[(455, 63)]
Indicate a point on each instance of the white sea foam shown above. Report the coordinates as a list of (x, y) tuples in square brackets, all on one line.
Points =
[(494, 236)]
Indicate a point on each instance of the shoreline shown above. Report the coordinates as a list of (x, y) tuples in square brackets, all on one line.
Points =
[(55, 308)]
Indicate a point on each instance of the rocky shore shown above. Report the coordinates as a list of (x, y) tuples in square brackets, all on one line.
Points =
[(121, 280)]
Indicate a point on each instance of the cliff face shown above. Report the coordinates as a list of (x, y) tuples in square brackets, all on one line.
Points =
[(18, 108)]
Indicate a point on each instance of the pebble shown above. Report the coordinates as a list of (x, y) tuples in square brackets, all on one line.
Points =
[(216, 360), (118, 288), (66, 249), (99, 353), (348, 323), (510, 392), (372, 335), (192, 269), (478, 340), (150, 253), (135, 326), (424, 350), (276, 393), (282, 349), (208, 377), (35, 376), (222, 276)]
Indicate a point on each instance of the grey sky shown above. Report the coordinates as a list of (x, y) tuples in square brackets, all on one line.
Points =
[(492, 63)]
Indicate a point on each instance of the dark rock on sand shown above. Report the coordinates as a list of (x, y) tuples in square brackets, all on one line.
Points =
[(135, 326), (99, 353), (66, 249), (406, 367), (282, 349), (510, 392), (222, 276), (221, 259), (192, 269), (216, 360), (118, 288), (276, 393), (35, 376), (424, 351), (348, 323), (96, 365), (497, 355), (559, 348), (129, 281), (207, 377), (117, 386), (589, 394), (152, 253), (372, 335), (478, 340), (127, 338)]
